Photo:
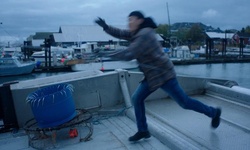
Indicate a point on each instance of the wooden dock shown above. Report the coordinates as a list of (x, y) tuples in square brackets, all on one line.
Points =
[(52, 69), (210, 61), (67, 67)]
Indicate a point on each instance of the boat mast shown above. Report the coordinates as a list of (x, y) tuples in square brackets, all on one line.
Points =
[(169, 27)]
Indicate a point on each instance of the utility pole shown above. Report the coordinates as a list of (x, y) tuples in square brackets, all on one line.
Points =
[(169, 26), (225, 44)]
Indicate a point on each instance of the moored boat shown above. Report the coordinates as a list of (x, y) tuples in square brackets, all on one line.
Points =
[(57, 54), (14, 66)]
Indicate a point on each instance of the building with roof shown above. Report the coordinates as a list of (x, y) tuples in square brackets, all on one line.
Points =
[(216, 35), (88, 33), (73, 35), (237, 39), (245, 37), (38, 39), (79, 34), (213, 38)]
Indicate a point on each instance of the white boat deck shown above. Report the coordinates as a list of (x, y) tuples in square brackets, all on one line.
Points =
[(171, 126), (109, 133), (194, 128)]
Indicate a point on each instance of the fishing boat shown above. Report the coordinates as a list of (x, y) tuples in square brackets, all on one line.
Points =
[(106, 96), (57, 54), (89, 60), (181, 52), (14, 66)]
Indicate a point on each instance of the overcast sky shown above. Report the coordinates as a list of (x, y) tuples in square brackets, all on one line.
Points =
[(21, 18)]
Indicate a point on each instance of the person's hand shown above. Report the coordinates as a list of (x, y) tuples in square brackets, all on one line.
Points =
[(101, 22)]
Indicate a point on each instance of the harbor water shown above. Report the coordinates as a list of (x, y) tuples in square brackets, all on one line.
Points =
[(238, 72)]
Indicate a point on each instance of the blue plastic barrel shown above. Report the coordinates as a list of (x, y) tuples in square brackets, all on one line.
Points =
[(52, 105)]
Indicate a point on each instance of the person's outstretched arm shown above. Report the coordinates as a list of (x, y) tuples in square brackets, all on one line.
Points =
[(115, 32), (144, 43)]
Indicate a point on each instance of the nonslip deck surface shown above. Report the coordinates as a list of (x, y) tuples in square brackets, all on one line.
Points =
[(233, 132), (185, 129), (109, 133)]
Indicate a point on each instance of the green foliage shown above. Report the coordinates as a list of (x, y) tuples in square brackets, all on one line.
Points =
[(247, 29), (181, 34), (196, 34), (163, 29), (242, 30)]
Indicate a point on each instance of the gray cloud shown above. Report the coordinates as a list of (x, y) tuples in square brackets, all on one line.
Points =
[(25, 17)]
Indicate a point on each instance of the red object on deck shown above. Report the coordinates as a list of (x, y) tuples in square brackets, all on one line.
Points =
[(73, 133)]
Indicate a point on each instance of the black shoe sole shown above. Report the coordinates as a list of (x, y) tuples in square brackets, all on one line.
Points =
[(216, 120)]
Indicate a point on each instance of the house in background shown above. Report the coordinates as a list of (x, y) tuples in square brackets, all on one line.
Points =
[(38, 39), (244, 36)]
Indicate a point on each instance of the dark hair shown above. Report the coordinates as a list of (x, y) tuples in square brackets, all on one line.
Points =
[(137, 14), (148, 22)]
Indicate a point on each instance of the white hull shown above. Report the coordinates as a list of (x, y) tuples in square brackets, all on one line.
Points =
[(105, 66), (56, 54)]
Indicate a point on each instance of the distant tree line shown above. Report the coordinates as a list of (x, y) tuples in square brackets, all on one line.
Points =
[(195, 34), (246, 30)]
